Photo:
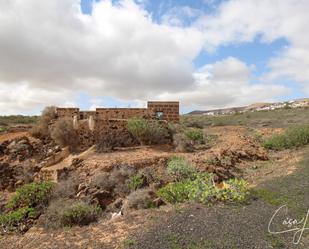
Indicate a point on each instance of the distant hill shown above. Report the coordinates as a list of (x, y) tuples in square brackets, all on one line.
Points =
[(304, 102)]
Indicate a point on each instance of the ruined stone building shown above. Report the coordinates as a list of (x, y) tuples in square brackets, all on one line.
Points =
[(93, 124)]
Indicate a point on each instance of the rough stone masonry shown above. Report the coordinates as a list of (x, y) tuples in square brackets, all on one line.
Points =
[(94, 124)]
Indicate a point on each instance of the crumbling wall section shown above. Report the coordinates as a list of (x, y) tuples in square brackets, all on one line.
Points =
[(67, 112), (168, 110), (123, 113), (94, 125)]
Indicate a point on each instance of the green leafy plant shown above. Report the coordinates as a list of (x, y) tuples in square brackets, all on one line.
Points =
[(293, 137), (196, 135), (147, 131), (175, 192), (203, 190), (135, 182), (180, 168), (13, 220), (32, 195), (79, 214)]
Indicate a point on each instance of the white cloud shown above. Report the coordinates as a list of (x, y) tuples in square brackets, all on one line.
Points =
[(21, 98), (239, 21), (180, 16), (117, 51), (226, 83), (50, 52)]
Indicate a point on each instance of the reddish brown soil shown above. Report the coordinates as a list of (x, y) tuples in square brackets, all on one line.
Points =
[(13, 135)]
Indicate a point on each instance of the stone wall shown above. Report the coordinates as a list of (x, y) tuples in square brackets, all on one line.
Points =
[(168, 111), (123, 113), (114, 127), (67, 112), (93, 125)]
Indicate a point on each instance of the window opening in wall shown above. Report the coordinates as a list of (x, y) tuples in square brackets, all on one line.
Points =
[(159, 115)]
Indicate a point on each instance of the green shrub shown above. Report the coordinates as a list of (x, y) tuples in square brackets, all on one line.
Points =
[(2, 129), (180, 168), (293, 137), (277, 142), (32, 195), (135, 182), (79, 214), (13, 220), (236, 190), (203, 190), (147, 131), (195, 135), (17, 119), (175, 192)]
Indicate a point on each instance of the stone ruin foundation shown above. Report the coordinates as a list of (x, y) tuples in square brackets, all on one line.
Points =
[(92, 125)]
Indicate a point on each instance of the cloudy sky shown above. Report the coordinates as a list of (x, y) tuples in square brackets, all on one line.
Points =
[(204, 53)]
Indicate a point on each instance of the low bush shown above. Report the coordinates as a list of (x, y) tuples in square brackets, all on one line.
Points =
[(40, 129), (140, 199), (293, 137), (64, 134), (66, 188), (15, 220), (135, 182), (65, 213), (195, 135), (182, 143), (80, 214), (101, 180), (116, 181), (32, 195), (107, 142), (149, 175), (148, 131), (203, 190), (180, 168)]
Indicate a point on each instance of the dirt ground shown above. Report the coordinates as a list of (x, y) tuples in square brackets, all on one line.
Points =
[(13, 135), (276, 179)]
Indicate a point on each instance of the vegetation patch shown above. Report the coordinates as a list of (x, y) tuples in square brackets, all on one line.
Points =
[(136, 182), (140, 199), (195, 135), (15, 220), (41, 130), (293, 137), (180, 168), (80, 214), (18, 119), (32, 195), (147, 131), (3, 129), (64, 134), (203, 190)]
